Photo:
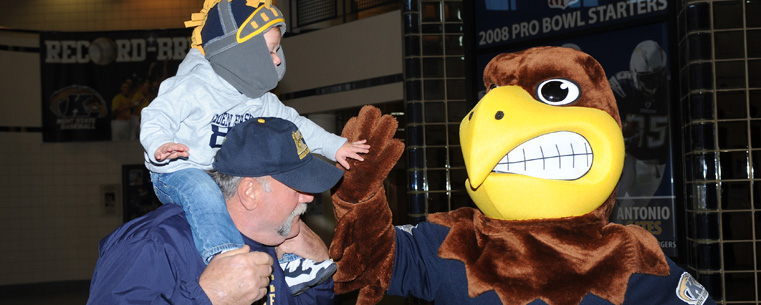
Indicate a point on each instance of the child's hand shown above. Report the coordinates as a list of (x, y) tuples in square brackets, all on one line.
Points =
[(171, 151), (351, 150)]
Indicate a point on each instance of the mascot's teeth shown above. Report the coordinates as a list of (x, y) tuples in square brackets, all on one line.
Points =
[(559, 155)]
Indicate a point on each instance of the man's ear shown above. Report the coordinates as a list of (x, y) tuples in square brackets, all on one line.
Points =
[(248, 192)]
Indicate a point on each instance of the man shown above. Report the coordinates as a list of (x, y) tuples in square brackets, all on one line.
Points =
[(267, 175), (642, 95)]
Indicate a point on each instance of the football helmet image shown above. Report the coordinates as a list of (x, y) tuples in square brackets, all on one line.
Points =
[(648, 66)]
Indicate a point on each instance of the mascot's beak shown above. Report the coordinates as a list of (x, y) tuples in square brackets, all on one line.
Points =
[(529, 160), (493, 128)]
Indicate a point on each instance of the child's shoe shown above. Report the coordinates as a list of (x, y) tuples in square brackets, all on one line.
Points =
[(302, 273)]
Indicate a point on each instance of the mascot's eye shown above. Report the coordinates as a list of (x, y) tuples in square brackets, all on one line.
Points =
[(493, 86), (558, 91)]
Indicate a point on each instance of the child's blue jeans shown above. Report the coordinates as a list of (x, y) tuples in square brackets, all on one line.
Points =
[(205, 209)]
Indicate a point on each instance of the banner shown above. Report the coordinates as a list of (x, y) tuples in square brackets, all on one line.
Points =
[(637, 65), (94, 84), (502, 22)]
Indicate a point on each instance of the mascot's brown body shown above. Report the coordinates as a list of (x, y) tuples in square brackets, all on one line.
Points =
[(544, 152)]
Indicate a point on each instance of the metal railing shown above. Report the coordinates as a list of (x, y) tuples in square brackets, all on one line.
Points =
[(307, 15)]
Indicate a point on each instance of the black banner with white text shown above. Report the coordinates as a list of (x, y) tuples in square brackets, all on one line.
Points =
[(94, 84)]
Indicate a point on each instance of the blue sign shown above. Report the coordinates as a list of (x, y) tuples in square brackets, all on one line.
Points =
[(501, 22)]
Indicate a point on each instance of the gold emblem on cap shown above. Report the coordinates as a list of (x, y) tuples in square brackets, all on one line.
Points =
[(301, 145), (260, 121)]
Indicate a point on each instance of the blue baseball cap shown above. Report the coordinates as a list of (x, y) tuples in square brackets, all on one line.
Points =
[(274, 147)]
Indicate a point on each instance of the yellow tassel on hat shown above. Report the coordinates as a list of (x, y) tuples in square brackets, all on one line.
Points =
[(197, 20), (255, 3)]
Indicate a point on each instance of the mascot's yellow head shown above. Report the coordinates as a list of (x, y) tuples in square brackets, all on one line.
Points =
[(545, 141)]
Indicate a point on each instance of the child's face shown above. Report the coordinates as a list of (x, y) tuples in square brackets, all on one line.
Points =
[(272, 37)]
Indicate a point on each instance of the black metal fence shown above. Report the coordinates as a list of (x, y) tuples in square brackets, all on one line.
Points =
[(311, 12)]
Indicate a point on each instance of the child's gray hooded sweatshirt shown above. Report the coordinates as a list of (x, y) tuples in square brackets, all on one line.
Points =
[(227, 85), (197, 107)]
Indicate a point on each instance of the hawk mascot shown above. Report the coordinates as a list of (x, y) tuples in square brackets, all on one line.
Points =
[(543, 151)]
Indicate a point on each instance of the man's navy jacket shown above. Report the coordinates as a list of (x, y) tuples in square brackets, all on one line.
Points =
[(152, 260)]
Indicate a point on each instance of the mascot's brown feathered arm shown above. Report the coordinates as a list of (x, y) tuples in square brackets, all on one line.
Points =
[(364, 241)]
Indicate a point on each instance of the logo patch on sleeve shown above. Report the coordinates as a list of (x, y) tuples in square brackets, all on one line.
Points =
[(407, 228), (690, 291)]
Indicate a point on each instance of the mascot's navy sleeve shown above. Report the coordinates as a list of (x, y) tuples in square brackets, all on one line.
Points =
[(152, 260), (420, 272), (649, 289)]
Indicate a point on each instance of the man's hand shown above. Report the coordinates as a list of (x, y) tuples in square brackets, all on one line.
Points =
[(237, 277), (171, 151), (351, 150), (306, 244)]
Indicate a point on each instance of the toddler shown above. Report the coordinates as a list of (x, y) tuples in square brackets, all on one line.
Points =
[(224, 80)]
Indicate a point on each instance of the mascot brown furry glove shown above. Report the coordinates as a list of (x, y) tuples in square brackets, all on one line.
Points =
[(361, 193)]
